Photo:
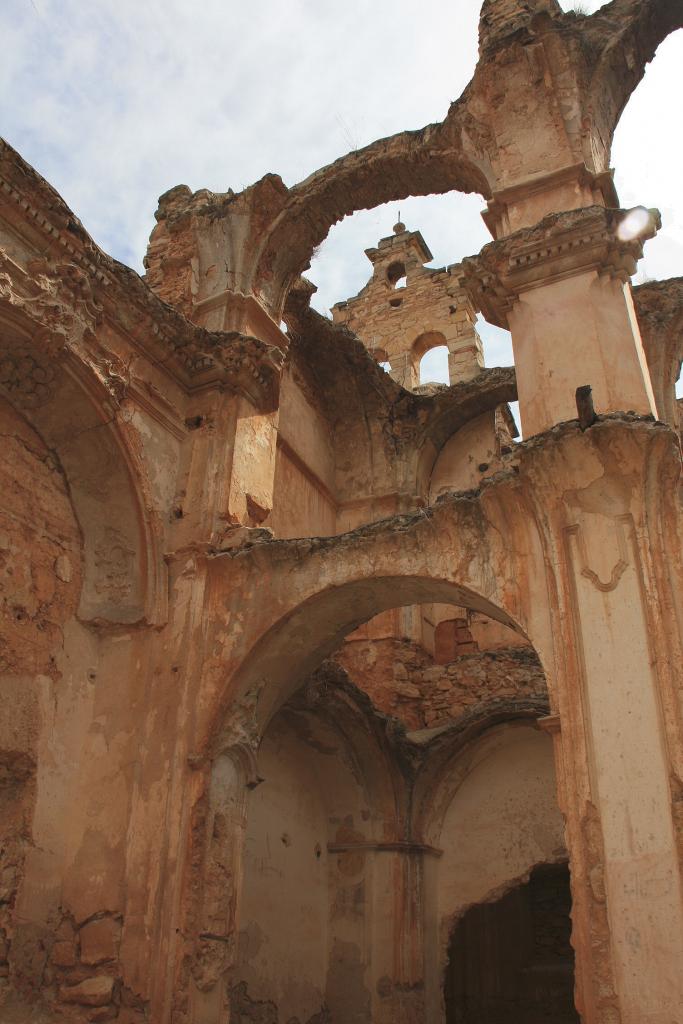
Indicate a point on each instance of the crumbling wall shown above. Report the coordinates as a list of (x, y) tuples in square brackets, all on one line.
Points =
[(283, 941), (501, 820), (40, 549), (513, 958), (402, 679), (40, 572), (468, 453), (400, 323), (567, 536), (304, 501)]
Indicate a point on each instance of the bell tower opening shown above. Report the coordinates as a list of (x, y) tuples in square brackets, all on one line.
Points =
[(512, 959)]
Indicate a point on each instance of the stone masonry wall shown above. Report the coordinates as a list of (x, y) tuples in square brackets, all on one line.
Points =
[(40, 567), (402, 679), (400, 324)]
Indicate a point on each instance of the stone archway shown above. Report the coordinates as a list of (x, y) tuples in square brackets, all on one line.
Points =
[(328, 596), (472, 550), (76, 407), (92, 575), (468, 550), (339, 880)]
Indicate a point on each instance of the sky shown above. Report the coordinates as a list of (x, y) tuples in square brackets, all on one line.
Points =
[(115, 101)]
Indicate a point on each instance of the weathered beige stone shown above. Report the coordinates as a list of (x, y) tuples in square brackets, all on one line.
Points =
[(399, 324), (95, 991), (99, 940), (308, 672), (63, 953)]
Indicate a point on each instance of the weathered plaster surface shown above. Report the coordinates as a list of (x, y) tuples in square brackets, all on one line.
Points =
[(287, 642)]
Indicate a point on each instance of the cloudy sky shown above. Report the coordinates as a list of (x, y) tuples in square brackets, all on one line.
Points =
[(115, 101)]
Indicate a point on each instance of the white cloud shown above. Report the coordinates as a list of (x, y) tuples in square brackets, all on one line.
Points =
[(115, 101)]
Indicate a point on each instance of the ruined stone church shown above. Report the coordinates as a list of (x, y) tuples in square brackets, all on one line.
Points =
[(324, 698)]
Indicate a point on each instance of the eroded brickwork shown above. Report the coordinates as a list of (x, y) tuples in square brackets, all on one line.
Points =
[(402, 679)]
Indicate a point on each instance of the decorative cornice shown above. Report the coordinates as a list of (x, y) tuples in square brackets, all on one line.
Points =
[(103, 287), (562, 245), (397, 846)]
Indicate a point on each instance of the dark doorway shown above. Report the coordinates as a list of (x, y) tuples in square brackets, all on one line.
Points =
[(511, 960)]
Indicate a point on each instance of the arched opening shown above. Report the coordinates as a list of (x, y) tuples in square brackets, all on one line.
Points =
[(339, 269), (396, 274), (646, 159), (511, 959), (77, 550), (339, 833), (68, 407), (348, 859), (298, 643), (424, 722), (434, 366), (430, 354)]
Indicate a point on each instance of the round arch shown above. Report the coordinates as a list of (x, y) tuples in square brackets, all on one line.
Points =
[(425, 342), (495, 386), (433, 160), (467, 550), (78, 414), (297, 643), (304, 596)]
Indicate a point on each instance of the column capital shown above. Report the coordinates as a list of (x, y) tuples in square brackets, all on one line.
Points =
[(562, 245)]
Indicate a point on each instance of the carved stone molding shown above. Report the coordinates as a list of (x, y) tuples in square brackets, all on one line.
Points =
[(75, 286), (600, 940), (562, 245), (595, 188), (621, 524)]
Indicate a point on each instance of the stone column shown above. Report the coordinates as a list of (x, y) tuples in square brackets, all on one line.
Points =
[(465, 355), (201, 261), (215, 925), (399, 955), (617, 734), (230, 468), (562, 289)]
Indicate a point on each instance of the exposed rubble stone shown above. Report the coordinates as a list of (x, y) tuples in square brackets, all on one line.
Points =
[(402, 679), (95, 991), (99, 940)]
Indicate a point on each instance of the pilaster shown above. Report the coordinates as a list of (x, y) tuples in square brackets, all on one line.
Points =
[(615, 728), (562, 289)]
